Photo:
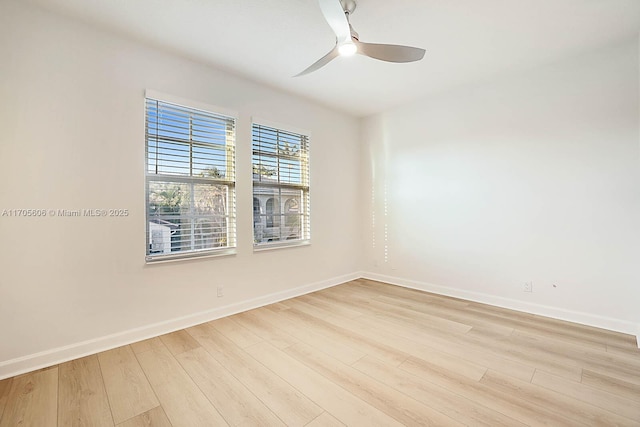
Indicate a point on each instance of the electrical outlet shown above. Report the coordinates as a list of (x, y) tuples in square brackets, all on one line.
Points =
[(528, 287), (220, 291)]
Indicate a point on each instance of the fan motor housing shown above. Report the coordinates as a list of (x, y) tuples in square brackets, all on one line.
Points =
[(349, 6)]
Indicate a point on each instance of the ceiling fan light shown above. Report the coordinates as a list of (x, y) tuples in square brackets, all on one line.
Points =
[(347, 49)]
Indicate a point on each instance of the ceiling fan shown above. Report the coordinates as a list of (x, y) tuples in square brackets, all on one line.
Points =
[(337, 13)]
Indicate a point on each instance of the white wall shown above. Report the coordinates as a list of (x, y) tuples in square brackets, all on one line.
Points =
[(72, 137), (529, 177)]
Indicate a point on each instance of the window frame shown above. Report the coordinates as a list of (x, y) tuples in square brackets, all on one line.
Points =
[(228, 182), (304, 187)]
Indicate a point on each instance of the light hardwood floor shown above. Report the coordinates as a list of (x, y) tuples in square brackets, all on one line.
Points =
[(362, 354)]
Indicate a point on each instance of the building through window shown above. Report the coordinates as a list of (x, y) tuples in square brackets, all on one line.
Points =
[(280, 186)]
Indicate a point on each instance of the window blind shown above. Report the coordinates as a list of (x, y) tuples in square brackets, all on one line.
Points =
[(281, 208), (190, 174)]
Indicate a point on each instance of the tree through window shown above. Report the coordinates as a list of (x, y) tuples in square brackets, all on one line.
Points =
[(190, 181)]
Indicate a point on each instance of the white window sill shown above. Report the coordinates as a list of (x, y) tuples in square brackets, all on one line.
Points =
[(280, 245), (160, 259)]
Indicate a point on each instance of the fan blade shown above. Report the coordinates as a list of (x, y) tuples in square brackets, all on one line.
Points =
[(321, 62), (335, 16), (390, 52)]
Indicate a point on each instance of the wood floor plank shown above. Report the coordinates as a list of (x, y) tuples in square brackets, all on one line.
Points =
[(129, 392), (491, 332), (505, 403), (325, 420), (274, 335), (344, 293), (337, 328), (445, 312), (613, 385), (338, 348), (527, 325), (178, 342), (477, 353), (528, 353), (589, 333), (182, 400), (617, 365), (390, 310), (455, 345), (598, 333), (278, 306), (146, 345), (5, 386), (476, 315), (237, 333), (82, 398), (417, 342), (630, 351), (32, 400), (412, 344), (322, 301), (389, 400), (580, 355), (632, 376), (292, 406), (564, 358), (343, 405), (455, 321), (313, 310), (615, 404), (237, 404), (380, 288), (153, 418), (562, 404), (449, 403)]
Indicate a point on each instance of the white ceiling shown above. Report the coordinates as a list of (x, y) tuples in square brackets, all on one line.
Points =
[(271, 40)]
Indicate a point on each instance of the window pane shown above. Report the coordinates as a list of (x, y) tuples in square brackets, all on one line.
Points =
[(209, 161), (278, 214), (188, 142), (290, 171), (187, 216)]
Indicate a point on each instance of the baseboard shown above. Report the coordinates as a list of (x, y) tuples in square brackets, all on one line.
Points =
[(54, 356), (542, 310)]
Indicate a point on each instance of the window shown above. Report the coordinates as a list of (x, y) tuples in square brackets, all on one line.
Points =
[(256, 210), (273, 214), (281, 185), (190, 180), (291, 210)]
